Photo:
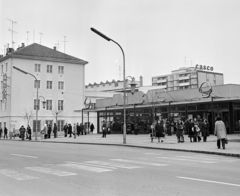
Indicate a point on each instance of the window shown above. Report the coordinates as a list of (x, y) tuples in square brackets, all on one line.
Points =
[(36, 104), (37, 67), (60, 124), (49, 84), (49, 105), (36, 83), (60, 85), (49, 68), (60, 69), (38, 125), (60, 105)]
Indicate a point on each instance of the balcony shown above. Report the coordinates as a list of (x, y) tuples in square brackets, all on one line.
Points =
[(184, 84), (184, 77), (162, 81)]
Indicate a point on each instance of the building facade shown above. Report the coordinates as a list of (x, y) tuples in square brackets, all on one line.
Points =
[(60, 83), (188, 78)]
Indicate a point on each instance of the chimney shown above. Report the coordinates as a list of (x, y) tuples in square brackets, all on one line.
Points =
[(23, 45), (141, 81), (54, 48)]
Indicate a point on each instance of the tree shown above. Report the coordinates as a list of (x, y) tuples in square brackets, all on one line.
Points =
[(27, 115)]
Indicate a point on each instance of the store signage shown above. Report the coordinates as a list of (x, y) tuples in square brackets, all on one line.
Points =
[(4, 86), (87, 103), (205, 89), (204, 67)]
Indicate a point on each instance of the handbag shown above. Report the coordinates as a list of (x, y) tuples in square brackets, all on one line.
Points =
[(226, 141)]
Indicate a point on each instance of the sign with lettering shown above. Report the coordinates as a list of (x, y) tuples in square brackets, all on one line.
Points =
[(204, 67), (4, 86)]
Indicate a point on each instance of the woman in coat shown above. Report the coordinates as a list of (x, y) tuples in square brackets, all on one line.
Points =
[(205, 130), (179, 133), (159, 131), (220, 132)]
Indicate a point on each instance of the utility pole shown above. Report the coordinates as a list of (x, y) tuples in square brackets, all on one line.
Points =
[(13, 22)]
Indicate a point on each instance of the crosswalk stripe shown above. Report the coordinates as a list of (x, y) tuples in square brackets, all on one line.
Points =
[(16, 175), (180, 159), (50, 171), (204, 158), (85, 167), (114, 164), (92, 164), (139, 162)]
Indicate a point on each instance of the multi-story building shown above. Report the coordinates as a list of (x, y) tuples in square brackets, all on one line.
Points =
[(60, 81), (187, 78)]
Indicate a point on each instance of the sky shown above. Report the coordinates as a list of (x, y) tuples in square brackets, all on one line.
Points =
[(157, 36)]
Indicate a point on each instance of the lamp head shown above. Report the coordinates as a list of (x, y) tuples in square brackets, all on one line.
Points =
[(100, 34)]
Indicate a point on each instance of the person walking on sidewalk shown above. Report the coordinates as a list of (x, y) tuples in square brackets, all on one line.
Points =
[(179, 133), (55, 130), (74, 130), (104, 129), (191, 131), (70, 130), (205, 130), (220, 132), (22, 132), (159, 130), (78, 129), (65, 129), (5, 133), (92, 128), (29, 131), (49, 131)]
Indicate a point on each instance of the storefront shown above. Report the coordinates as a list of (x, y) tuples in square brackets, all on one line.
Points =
[(183, 107)]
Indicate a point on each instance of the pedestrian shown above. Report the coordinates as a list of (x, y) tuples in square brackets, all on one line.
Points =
[(22, 132), (205, 130), (29, 131), (179, 133), (191, 131), (85, 129), (70, 130), (81, 129), (45, 131), (199, 132), (168, 127), (159, 130), (221, 132), (78, 129), (65, 129), (55, 130), (49, 131), (92, 128), (75, 130), (1, 132), (10, 134), (5, 133), (104, 129)]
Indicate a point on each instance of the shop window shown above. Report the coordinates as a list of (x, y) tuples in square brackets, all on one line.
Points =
[(223, 105), (191, 108), (173, 109), (181, 108), (145, 110), (202, 107), (236, 106)]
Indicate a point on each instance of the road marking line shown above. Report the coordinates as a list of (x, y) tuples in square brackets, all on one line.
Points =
[(172, 158), (16, 175), (94, 165), (202, 180), (20, 155), (50, 171), (115, 164), (139, 162), (232, 159), (85, 167), (204, 158)]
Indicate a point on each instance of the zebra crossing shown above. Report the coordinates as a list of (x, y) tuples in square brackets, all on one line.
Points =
[(69, 168)]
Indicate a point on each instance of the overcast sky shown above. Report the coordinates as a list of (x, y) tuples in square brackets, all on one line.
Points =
[(157, 36)]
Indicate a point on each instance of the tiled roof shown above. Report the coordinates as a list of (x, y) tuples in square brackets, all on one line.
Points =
[(39, 51)]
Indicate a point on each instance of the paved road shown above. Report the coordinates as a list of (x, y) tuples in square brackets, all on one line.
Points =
[(28, 168)]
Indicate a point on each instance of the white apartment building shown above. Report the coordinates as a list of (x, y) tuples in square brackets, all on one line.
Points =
[(187, 78), (60, 81)]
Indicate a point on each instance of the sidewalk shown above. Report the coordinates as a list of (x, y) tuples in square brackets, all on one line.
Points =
[(144, 141)]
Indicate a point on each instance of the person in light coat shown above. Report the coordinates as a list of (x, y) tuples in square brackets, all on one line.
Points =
[(220, 132)]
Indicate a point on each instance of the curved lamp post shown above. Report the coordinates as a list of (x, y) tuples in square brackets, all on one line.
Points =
[(124, 82), (37, 96)]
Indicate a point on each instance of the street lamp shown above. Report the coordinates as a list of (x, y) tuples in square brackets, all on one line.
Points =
[(37, 96), (124, 88)]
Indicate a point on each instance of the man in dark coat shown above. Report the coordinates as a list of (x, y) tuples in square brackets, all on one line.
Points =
[(49, 131), (205, 130), (5, 132), (70, 130), (159, 130), (92, 128), (22, 132), (29, 131), (65, 129), (55, 130), (78, 129), (104, 129)]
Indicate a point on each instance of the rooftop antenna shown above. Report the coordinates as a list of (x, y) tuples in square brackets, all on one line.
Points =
[(64, 40), (57, 45), (40, 37), (27, 37), (13, 22)]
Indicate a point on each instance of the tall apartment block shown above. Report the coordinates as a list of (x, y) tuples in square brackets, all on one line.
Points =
[(188, 77)]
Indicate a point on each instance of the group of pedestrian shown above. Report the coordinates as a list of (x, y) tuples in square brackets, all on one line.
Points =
[(4, 132), (77, 129), (25, 133), (47, 131)]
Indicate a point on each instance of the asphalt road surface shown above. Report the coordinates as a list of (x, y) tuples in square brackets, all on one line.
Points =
[(35, 168)]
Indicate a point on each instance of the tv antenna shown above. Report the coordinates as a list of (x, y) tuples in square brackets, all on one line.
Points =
[(13, 22), (64, 41), (40, 37)]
